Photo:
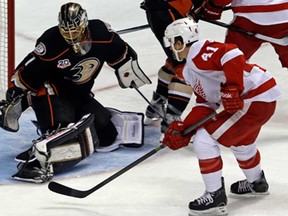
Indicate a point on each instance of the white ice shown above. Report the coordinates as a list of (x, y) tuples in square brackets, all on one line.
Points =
[(164, 184)]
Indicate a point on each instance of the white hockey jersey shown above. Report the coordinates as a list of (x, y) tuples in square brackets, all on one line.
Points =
[(262, 12), (210, 64)]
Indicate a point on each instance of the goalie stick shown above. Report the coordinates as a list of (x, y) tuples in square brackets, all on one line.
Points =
[(68, 191), (280, 41)]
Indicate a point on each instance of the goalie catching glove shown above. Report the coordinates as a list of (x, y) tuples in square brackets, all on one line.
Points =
[(11, 109), (10, 113)]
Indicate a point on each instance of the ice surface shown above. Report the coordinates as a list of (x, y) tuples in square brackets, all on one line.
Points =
[(162, 185)]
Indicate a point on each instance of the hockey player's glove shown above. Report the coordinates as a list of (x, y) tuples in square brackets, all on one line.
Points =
[(14, 93), (208, 10), (10, 113), (174, 138), (130, 73), (231, 99), (11, 109), (142, 5)]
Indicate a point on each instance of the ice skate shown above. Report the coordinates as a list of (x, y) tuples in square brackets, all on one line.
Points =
[(26, 156), (245, 188), (152, 116), (210, 203)]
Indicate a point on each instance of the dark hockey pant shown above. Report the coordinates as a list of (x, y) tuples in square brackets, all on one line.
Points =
[(54, 111)]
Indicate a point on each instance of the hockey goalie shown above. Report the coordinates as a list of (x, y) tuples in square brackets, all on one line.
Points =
[(64, 147), (56, 80)]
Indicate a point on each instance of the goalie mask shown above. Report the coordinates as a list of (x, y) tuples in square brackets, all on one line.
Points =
[(185, 29), (73, 26)]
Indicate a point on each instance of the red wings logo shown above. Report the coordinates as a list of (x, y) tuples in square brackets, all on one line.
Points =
[(198, 89)]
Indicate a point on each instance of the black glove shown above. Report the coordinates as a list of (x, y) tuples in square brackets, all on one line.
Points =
[(142, 5), (13, 93)]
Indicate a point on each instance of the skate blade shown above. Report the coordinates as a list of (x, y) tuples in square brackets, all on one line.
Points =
[(248, 195), (25, 156), (156, 122), (217, 211), (22, 160)]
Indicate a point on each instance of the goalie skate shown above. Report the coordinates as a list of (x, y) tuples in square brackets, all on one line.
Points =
[(26, 156), (33, 172)]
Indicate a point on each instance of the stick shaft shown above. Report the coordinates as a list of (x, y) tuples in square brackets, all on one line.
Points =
[(64, 190), (133, 29), (154, 108), (281, 41)]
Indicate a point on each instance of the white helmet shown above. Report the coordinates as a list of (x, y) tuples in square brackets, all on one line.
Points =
[(186, 28)]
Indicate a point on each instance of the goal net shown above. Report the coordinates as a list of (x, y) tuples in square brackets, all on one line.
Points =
[(6, 43)]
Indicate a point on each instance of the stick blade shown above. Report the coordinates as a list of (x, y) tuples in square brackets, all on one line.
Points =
[(64, 190)]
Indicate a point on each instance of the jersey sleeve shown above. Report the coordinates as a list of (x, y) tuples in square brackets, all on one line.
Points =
[(29, 74), (233, 63), (122, 53), (117, 51), (36, 68), (196, 114)]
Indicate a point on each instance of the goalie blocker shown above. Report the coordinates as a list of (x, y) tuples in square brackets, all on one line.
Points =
[(64, 149), (130, 72)]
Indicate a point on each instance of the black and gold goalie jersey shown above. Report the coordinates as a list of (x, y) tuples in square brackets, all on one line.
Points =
[(54, 68)]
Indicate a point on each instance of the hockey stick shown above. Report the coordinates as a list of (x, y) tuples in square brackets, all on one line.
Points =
[(155, 109), (133, 29), (281, 41), (68, 191), (145, 26)]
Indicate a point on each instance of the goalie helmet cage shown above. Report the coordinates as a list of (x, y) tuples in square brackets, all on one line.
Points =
[(7, 43)]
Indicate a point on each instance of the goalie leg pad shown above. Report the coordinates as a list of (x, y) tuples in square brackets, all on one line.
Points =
[(130, 127), (58, 151), (69, 146)]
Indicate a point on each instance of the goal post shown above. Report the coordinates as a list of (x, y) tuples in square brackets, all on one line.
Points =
[(7, 43)]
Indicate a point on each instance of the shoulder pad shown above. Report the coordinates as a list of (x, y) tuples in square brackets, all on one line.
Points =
[(100, 31), (50, 44)]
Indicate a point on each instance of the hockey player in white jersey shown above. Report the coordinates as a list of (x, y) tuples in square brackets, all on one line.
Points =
[(219, 74), (267, 17)]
